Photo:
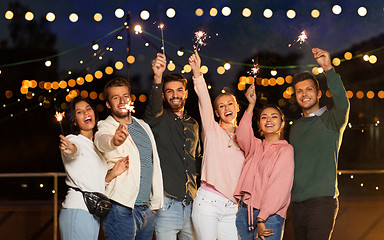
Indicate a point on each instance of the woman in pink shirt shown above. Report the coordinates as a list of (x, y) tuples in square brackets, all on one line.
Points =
[(264, 187), (214, 208)]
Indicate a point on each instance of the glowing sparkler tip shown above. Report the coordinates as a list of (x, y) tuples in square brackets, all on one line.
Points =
[(161, 26), (59, 116), (129, 107), (200, 37), (255, 69)]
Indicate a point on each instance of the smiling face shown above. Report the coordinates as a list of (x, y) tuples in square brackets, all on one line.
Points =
[(271, 123), (307, 96), (226, 108), (84, 117), (118, 97), (175, 95)]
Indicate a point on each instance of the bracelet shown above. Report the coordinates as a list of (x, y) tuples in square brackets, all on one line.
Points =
[(261, 221)]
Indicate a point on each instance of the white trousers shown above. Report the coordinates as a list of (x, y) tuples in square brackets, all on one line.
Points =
[(214, 216)]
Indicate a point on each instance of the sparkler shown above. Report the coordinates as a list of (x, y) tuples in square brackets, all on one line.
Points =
[(200, 37), (161, 26), (129, 107), (300, 39), (255, 69), (59, 117)]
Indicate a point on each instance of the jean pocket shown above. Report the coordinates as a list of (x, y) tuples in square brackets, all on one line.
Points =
[(121, 210), (168, 203)]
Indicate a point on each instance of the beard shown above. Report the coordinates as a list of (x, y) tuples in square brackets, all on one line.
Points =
[(119, 114), (174, 107)]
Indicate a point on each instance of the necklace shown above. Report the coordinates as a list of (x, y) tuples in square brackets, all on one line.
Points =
[(232, 137)]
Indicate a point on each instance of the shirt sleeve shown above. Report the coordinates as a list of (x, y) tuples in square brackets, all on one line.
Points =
[(103, 139), (245, 136), (206, 110), (339, 113), (71, 157), (154, 108), (277, 192)]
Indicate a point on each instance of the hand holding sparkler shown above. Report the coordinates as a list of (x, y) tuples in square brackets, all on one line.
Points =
[(158, 67), (200, 37), (66, 146), (195, 63), (120, 135), (250, 94), (323, 58), (59, 117)]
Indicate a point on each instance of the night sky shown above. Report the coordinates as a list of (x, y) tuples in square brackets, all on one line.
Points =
[(30, 138)]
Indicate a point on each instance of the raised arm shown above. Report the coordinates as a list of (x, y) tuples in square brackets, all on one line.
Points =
[(154, 107), (107, 141), (206, 110), (335, 85)]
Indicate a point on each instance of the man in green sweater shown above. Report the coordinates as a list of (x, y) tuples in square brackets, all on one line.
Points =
[(316, 138)]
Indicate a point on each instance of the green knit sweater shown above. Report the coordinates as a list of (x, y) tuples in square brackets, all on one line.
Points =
[(316, 141)]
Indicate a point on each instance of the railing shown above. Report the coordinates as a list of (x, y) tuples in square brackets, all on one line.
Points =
[(55, 176)]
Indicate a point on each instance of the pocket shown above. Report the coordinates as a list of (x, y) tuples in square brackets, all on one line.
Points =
[(121, 210), (168, 203)]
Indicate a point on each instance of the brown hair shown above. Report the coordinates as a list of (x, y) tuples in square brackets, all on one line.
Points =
[(116, 82), (305, 76)]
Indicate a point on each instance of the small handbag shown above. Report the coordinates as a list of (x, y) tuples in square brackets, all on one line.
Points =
[(97, 203)]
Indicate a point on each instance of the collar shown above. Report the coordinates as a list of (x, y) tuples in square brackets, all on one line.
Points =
[(318, 113)]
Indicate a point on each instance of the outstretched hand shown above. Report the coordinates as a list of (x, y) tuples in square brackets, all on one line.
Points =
[(120, 135), (195, 63), (158, 67), (323, 58), (66, 146)]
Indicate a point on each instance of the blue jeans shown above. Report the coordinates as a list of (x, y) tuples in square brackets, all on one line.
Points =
[(274, 222), (174, 221), (78, 224), (129, 224)]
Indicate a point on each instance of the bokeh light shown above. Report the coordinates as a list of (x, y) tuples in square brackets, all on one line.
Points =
[(213, 12), (97, 17), (315, 13), (109, 70), (246, 12), (267, 13), (50, 17), (170, 12), (226, 11), (291, 14), (221, 70), (131, 59), (372, 59), (336, 9), (336, 62), (199, 12), (348, 55), (144, 15), (29, 16), (204, 69), (98, 74), (362, 11), (73, 17), (119, 13), (9, 15), (119, 65), (171, 66), (370, 94)]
